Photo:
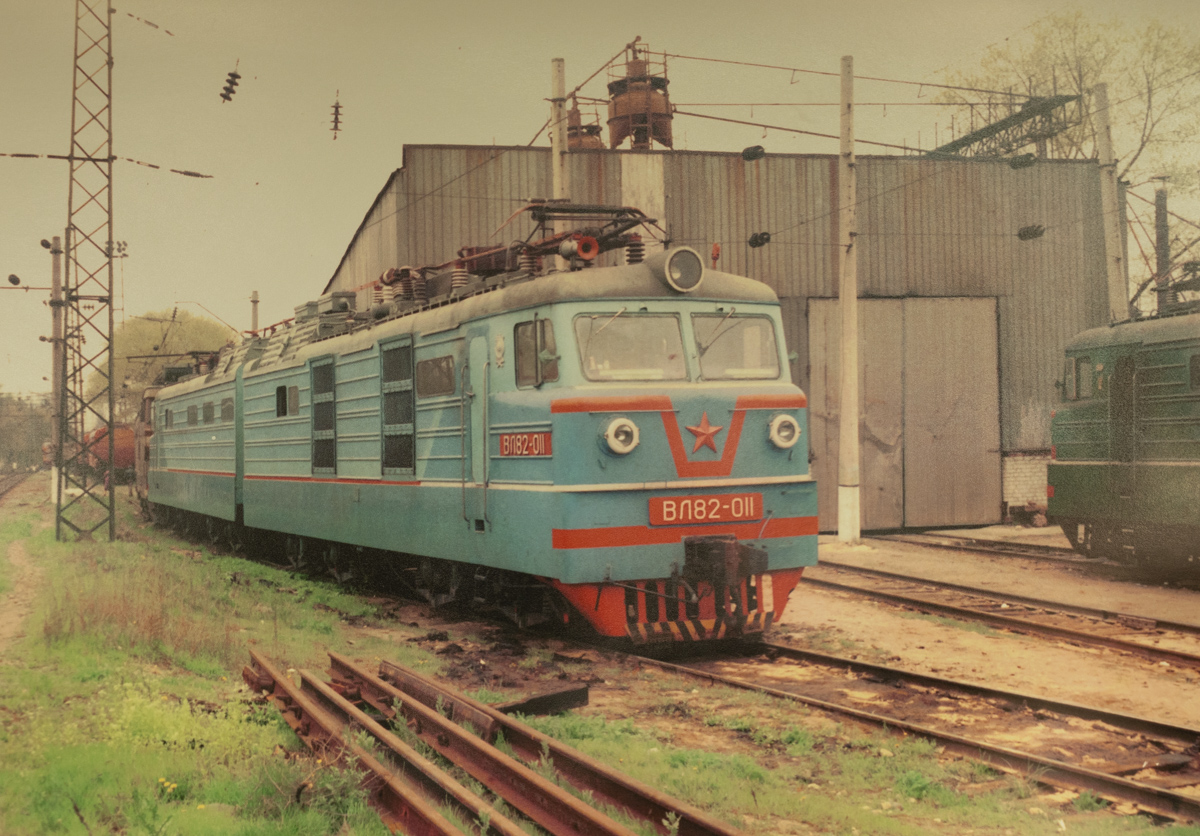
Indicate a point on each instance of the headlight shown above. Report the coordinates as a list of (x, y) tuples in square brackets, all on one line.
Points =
[(621, 435), (681, 269), (785, 431)]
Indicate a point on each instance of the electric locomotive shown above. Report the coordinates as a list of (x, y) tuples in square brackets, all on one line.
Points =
[(1124, 476), (619, 446)]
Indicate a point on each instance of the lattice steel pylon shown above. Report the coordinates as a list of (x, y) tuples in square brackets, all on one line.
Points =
[(86, 495)]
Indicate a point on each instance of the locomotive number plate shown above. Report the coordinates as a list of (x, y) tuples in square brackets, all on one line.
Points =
[(525, 444), (681, 510)]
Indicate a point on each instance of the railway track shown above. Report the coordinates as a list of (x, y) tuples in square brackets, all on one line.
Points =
[(1120, 757), (7, 483), (1157, 641), (407, 789), (1052, 554)]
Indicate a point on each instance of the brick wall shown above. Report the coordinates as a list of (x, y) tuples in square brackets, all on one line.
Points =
[(1024, 479)]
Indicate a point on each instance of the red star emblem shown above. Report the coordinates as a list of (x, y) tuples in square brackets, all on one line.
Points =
[(704, 434)]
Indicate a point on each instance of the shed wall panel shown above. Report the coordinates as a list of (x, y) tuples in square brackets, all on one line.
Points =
[(926, 228)]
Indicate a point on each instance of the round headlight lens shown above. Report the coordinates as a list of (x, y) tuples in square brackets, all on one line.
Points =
[(684, 270), (621, 436), (785, 431)]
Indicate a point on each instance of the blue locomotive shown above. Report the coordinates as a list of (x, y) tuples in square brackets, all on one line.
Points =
[(619, 445), (1124, 477)]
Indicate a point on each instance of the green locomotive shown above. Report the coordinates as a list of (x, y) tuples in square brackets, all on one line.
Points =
[(1124, 476)]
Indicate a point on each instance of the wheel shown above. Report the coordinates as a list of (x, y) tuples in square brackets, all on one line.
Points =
[(339, 562), (235, 537), (295, 552), (213, 532)]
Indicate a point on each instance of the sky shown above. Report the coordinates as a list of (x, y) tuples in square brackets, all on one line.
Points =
[(284, 198)]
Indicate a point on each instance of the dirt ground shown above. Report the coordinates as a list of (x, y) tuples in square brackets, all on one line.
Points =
[(17, 603), (833, 621)]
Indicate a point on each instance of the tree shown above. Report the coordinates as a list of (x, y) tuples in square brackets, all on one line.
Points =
[(1153, 78), (24, 427), (145, 345)]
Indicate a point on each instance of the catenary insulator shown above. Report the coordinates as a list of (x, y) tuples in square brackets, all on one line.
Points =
[(420, 292), (635, 250), (527, 262), (459, 276)]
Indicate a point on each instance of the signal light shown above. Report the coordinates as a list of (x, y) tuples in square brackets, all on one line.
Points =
[(230, 83)]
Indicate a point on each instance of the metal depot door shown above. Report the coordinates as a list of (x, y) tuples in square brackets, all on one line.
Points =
[(929, 393)]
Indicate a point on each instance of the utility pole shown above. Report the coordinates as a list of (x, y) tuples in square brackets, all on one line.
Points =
[(56, 374), (558, 142), (849, 507), (1114, 261)]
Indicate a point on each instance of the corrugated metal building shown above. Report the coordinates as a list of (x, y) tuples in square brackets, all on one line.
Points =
[(963, 326)]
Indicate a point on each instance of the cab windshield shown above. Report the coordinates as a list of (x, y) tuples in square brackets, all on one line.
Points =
[(733, 347), (625, 346)]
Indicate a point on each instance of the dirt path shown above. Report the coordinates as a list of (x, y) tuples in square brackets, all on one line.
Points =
[(16, 605)]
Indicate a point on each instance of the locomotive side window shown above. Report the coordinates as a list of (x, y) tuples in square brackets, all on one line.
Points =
[(1083, 377), (1194, 370), (324, 445), (537, 355), (168, 419), (622, 346), (193, 416), (210, 414), (435, 377), (287, 401), (396, 389), (226, 410), (1077, 378), (736, 347)]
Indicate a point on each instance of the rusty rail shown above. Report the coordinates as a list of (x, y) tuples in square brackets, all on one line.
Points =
[(547, 804), (1017, 625), (584, 773), (399, 804), (434, 784), (1152, 799)]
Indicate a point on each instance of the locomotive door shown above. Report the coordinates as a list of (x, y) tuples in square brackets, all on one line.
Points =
[(475, 476)]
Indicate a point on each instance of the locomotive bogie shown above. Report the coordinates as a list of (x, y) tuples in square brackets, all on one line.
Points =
[(577, 436)]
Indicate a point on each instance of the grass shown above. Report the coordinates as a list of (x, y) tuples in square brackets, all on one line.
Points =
[(123, 710)]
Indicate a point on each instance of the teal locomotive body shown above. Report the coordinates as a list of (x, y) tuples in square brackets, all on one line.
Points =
[(621, 445), (1124, 477)]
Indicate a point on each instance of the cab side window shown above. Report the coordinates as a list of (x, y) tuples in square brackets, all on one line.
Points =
[(537, 354), (1077, 378)]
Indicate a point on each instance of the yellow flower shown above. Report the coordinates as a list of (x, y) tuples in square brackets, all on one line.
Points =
[(199, 806)]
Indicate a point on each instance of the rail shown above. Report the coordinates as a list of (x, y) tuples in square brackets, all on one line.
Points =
[(1011, 622), (1160, 801), (407, 789)]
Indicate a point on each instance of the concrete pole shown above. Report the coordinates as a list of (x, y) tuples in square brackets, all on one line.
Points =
[(1118, 290), (558, 142), (254, 312), (849, 508), (56, 373)]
